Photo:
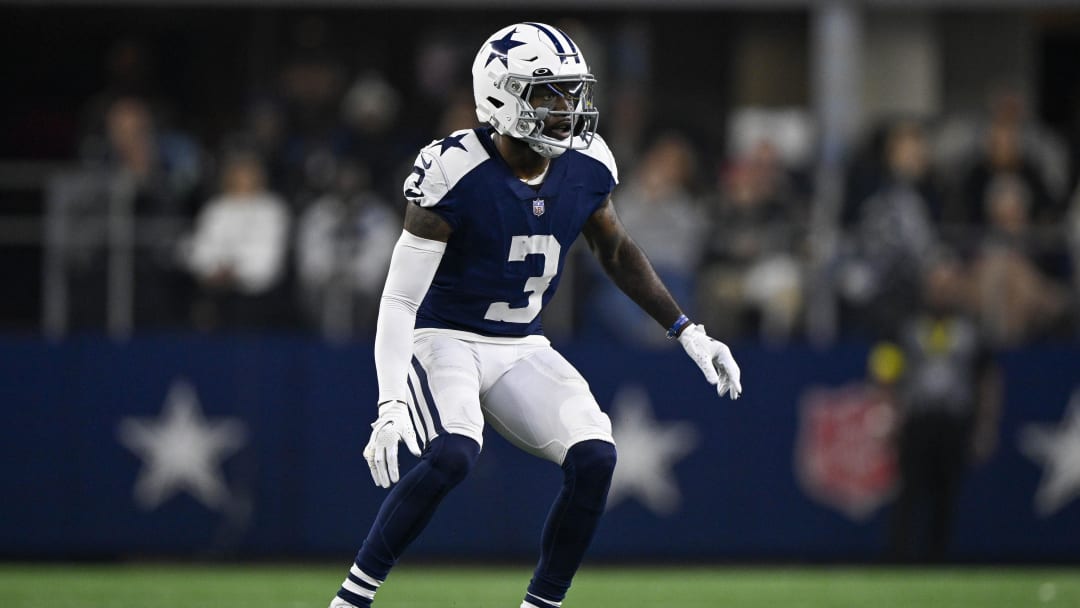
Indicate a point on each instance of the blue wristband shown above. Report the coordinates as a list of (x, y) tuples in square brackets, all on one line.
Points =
[(677, 326)]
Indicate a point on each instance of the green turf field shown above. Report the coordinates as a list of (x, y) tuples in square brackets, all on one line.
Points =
[(306, 586)]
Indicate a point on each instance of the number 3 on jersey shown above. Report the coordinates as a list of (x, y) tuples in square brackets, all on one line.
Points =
[(521, 246)]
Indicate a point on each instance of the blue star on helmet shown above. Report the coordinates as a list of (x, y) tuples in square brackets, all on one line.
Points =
[(502, 46), (450, 141)]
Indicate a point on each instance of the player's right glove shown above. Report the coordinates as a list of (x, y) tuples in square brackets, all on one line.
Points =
[(714, 358), (381, 453)]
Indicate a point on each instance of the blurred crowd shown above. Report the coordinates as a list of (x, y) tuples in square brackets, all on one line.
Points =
[(286, 220)]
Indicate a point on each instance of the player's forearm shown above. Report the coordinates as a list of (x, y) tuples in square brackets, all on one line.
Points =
[(632, 272), (393, 349), (412, 267)]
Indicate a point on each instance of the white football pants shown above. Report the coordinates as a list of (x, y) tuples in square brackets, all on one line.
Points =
[(528, 393)]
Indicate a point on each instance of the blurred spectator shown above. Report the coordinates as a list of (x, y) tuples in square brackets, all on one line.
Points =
[(238, 250), (265, 134), (438, 60), (1010, 146), (129, 72), (369, 112), (311, 84), (370, 105), (754, 272), (344, 242), (166, 166), (154, 176), (908, 163), (948, 395), (892, 237), (1016, 300), (661, 215)]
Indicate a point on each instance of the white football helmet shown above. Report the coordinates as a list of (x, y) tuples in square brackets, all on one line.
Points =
[(507, 71)]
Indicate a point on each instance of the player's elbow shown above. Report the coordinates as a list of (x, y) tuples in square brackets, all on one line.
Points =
[(399, 301)]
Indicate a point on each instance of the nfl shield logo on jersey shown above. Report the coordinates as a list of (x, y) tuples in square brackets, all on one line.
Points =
[(538, 207), (843, 456)]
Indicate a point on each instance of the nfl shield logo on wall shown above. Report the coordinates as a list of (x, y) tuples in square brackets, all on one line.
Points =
[(538, 207), (843, 456)]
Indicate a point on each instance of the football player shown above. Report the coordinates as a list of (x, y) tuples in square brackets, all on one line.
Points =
[(492, 213)]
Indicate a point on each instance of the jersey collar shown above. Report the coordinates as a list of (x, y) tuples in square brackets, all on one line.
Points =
[(552, 183)]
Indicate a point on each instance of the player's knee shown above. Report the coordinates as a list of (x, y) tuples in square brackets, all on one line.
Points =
[(453, 456), (592, 463)]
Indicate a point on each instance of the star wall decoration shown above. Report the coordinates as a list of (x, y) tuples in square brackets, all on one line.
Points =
[(648, 450), (1057, 449), (182, 451)]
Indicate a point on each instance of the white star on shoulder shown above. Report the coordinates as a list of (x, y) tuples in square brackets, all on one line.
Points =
[(1058, 450), (181, 450), (648, 451)]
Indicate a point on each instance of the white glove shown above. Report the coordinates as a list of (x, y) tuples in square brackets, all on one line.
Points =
[(381, 453), (714, 358)]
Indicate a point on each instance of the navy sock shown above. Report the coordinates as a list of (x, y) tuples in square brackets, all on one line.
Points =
[(570, 525), (406, 511)]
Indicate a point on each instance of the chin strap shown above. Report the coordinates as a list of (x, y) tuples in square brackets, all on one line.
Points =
[(547, 150)]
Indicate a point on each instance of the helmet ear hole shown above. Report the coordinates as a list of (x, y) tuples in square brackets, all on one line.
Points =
[(495, 102)]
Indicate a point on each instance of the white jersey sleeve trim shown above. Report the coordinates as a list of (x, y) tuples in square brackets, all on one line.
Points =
[(412, 268), (600, 151), (439, 167), (426, 185)]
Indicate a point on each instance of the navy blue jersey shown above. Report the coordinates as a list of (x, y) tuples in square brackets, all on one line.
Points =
[(509, 242)]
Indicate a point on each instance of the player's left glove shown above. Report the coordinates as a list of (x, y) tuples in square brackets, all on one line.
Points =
[(714, 358), (381, 453)]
